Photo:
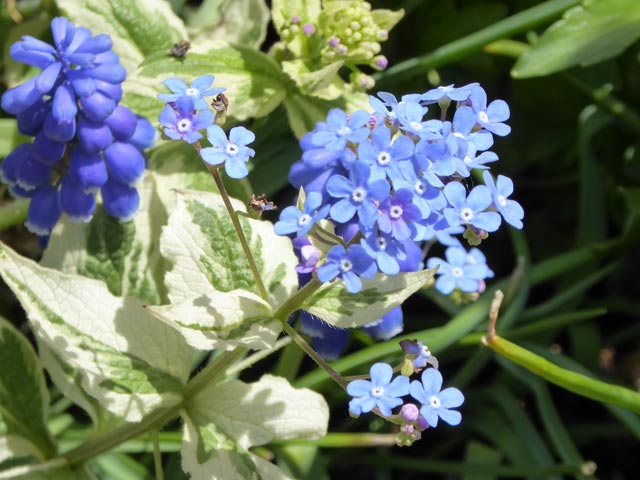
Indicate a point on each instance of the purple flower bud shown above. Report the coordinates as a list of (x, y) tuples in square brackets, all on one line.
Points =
[(410, 412), (422, 423), (296, 19), (333, 42), (308, 29), (380, 62)]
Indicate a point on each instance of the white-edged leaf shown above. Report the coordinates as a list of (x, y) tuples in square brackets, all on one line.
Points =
[(136, 28), (223, 320), (207, 257), (240, 22), (333, 304), (223, 421), (253, 80), (24, 398), (129, 361)]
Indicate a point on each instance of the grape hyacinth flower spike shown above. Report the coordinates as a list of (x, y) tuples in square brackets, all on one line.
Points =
[(84, 141)]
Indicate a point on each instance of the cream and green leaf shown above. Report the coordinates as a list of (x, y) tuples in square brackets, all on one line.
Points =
[(223, 421), (106, 339), (214, 296)]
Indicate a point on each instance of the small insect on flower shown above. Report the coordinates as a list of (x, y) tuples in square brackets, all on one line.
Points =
[(180, 49), (259, 203)]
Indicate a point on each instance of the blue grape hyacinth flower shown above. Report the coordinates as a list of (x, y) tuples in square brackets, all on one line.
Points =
[(380, 392), (84, 141), (436, 403), (233, 152)]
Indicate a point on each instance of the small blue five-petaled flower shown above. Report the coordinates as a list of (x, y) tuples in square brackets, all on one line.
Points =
[(182, 122), (233, 152), (380, 392), (436, 403), (470, 210), (197, 91), (294, 220), (349, 265)]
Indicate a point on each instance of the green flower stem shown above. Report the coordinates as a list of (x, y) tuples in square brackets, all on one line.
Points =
[(475, 469), (572, 381), (213, 372), (302, 343), (13, 213), (346, 440), (157, 455), (296, 301), (456, 50), (238, 228)]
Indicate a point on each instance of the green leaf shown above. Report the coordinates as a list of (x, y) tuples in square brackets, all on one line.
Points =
[(253, 81), (304, 111), (336, 306), (587, 34), (209, 263), (129, 362), (223, 421), (24, 398), (283, 11), (240, 22), (53, 470), (136, 28), (387, 19), (323, 83)]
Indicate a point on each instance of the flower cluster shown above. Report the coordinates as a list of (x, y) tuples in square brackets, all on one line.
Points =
[(346, 31), (84, 141), (396, 179), (383, 394), (389, 182), (186, 113)]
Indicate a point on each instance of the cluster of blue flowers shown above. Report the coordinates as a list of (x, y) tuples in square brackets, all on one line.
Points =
[(186, 113), (84, 141), (383, 394), (394, 180)]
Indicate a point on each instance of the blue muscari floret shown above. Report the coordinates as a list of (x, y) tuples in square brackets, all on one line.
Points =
[(380, 392), (390, 325), (233, 152), (84, 141), (436, 403), (294, 220), (197, 91)]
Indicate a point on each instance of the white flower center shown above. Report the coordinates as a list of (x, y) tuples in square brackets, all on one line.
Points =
[(501, 200), (425, 351), (384, 158), (232, 149), (434, 401), (344, 131), (468, 159), (304, 220), (459, 135), (483, 117), (396, 212), (456, 272), (184, 125), (466, 215), (358, 195), (382, 243), (419, 187), (192, 92), (345, 265), (377, 392), (417, 126)]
